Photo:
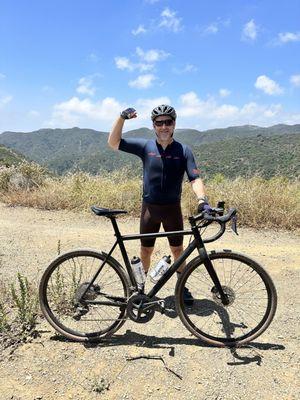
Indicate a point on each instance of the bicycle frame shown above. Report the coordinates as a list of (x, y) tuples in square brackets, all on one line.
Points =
[(197, 243)]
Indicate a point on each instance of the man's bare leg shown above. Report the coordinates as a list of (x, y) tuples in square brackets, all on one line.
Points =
[(146, 253), (176, 252)]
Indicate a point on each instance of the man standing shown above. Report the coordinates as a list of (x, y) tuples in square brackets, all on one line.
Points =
[(164, 163)]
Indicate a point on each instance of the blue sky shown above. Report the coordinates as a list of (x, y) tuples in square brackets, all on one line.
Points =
[(79, 63)]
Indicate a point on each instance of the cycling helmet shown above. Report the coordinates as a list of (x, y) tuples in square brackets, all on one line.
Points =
[(163, 110)]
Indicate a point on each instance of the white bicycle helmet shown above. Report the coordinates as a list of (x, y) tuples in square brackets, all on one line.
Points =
[(163, 110)]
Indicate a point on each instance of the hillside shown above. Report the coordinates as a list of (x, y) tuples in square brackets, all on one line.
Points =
[(9, 157), (234, 150), (265, 155)]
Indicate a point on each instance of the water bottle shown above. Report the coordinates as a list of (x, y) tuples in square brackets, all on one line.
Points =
[(160, 269), (138, 271)]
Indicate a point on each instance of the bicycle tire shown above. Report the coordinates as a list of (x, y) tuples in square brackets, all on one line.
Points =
[(232, 325), (67, 276)]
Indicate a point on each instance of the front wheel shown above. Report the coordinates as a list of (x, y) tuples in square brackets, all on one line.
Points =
[(250, 291), (76, 309)]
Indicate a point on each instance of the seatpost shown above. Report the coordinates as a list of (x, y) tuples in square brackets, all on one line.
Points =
[(115, 226)]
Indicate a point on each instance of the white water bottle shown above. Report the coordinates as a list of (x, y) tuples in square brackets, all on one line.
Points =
[(138, 271), (160, 269)]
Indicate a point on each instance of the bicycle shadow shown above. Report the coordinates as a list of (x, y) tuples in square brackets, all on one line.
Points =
[(131, 338), (201, 308)]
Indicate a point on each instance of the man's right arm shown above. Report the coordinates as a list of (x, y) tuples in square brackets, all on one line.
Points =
[(115, 135)]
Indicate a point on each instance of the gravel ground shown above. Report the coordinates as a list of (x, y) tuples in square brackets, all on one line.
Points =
[(160, 359)]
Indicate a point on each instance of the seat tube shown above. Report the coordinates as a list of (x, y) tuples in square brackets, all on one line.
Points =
[(123, 250)]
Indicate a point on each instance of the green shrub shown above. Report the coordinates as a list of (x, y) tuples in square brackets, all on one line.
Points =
[(25, 301)]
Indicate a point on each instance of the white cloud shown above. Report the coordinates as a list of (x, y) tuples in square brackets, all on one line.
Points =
[(143, 81), (214, 27), (93, 57), (33, 114), (224, 92), (47, 89), (124, 63), (151, 56), (145, 106), (140, 29), (209, 113), (146, 60), (185, 69), (267, 85), (170, 21), (85, 86), (193, 112), (74, 111), (101, 114), (5, 100), (288, 37), (250, 31), (211, 29), (295, 80)]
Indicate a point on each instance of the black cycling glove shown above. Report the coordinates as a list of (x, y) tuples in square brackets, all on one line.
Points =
[(204, 207), (128, 113)]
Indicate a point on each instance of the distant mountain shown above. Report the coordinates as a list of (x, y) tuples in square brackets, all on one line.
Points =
[(264, 155), (9, 157), (227, 150)]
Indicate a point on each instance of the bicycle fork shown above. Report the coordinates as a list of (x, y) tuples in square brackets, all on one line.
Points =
[(210, 268)]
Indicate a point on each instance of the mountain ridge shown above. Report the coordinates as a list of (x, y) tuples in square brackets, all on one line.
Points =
[(63, 150)]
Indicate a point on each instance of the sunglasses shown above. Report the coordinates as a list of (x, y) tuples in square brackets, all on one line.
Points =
[(167, 122)]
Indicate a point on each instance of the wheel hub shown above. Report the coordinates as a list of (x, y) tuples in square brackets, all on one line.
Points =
[(229, 292)]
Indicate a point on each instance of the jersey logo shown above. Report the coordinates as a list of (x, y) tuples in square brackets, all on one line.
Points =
[(151, 153)]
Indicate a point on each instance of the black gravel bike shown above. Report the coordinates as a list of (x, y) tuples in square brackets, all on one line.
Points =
[(87, 295)]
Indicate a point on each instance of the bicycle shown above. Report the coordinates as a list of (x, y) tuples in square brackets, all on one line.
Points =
[(87, 295)]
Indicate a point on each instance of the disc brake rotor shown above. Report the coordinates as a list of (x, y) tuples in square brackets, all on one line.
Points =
[(227, 290)]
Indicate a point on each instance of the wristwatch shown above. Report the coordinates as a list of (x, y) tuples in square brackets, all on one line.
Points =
[(203, 199)]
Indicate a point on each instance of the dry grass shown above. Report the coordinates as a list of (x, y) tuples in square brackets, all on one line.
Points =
[(270, 203)]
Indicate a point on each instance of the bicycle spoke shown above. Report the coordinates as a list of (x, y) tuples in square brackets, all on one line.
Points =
[(70, 282), (248, 297)]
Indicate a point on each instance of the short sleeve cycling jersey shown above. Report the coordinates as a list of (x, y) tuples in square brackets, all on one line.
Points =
[(163, 169)]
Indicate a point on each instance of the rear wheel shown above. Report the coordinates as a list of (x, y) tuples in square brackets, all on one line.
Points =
[(251, 293), (82, 316)]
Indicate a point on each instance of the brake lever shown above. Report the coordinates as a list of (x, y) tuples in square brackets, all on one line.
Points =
[(234, 224)]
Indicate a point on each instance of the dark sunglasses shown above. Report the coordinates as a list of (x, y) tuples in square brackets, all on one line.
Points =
[(167, 122)]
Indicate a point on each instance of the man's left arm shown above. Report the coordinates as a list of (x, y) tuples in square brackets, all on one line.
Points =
[(194, 177)]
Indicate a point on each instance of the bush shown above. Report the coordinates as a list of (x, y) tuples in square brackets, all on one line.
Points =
[(25, 176), (25, 301), (272, 203)]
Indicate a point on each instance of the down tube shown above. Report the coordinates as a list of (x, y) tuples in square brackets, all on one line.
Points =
[(191, 247)]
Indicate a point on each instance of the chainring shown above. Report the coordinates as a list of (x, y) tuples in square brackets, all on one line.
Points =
[(138, 309)]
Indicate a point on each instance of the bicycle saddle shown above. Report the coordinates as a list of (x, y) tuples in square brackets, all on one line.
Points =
[(106, 212)]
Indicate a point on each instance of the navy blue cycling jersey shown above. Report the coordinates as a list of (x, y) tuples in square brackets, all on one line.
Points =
[(163, 170)]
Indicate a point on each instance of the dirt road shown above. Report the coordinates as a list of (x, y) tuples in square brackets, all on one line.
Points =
[(159, 360)]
